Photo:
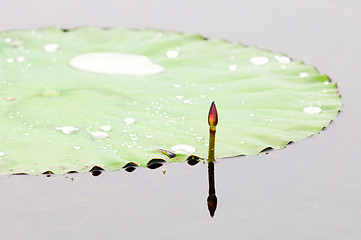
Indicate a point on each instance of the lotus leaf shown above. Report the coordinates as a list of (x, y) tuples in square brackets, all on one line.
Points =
[(59, 117)]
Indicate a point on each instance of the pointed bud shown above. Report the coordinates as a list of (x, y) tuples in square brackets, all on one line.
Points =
[(213, 116)]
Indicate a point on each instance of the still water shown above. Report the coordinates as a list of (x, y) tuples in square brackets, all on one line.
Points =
[(272, 196)]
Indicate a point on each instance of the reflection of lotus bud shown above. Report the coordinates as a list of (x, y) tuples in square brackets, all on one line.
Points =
[(212, 204), (213, 116)]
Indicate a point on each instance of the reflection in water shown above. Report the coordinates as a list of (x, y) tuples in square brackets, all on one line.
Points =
[(193, 160), (155, 163), (96, 171), (130, 167), (212, 198)]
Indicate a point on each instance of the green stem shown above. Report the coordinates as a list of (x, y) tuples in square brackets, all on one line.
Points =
[(212, 139)]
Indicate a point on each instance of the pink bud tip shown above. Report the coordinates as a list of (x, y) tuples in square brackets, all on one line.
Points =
[(213, 116)]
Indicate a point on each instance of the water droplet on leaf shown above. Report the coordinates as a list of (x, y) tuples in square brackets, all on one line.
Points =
[(51, 47), (232, 67), (312, 110), (129, 120), (259, 60), (67, 129), (183, 149), (99, 135), (106, 128), (283, 59), (172, 53), (20, 59), (304, 74)]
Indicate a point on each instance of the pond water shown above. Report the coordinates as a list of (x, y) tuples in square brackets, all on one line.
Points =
[(310, 190), (286, 194)]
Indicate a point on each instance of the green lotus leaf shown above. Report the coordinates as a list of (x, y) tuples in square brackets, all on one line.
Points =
[(61, 112)]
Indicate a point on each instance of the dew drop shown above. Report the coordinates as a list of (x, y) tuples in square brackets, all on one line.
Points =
[(183, 149), (177, 85), (251, 114), (67, 129), (232, 67), (187, 101), (179, 97), (303, 74), (259, 60), (106, 128), (99, 135), (76, 147), (20, 59), (7, 40), (283, 59), (10, 99), (149, 136), (312, 110), (326, 82), (2, 154), (129, 120), (10, 60), (242, 142), (172, 53), (51, 47)]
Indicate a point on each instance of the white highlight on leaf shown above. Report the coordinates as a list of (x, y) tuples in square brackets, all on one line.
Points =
[(116, 63)]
